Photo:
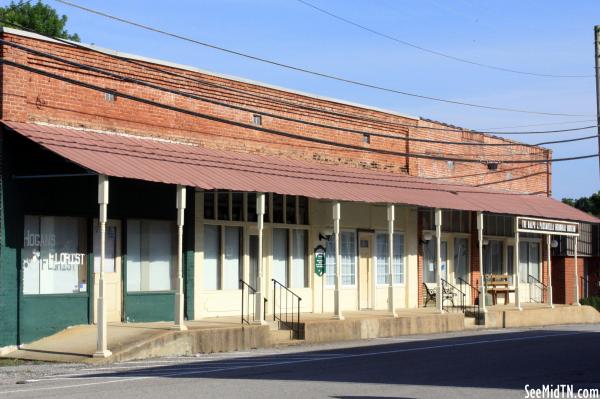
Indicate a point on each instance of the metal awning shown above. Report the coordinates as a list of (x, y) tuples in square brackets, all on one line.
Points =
[(164, 161)]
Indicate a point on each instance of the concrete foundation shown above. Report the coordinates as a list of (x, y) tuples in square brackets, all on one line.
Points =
[(540, 316)]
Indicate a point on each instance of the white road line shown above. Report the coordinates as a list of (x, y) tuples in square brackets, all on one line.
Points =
[(345, 356)]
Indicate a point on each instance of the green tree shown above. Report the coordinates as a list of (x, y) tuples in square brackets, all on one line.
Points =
[(589, 204), (39, 17)]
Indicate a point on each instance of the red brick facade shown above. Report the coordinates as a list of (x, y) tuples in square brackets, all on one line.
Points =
[(31, 97)]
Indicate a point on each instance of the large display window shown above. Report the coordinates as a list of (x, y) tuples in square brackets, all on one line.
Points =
[(54, 255)]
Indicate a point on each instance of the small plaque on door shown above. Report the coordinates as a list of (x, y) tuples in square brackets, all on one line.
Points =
[(364, 243)]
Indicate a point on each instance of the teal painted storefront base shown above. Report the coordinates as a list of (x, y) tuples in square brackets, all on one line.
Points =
[(149, 306), (43, 315)]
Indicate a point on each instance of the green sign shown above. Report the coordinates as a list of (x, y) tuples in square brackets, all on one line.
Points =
[(320, 263)]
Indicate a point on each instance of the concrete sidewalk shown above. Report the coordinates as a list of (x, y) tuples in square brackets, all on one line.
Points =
[(129, 341)]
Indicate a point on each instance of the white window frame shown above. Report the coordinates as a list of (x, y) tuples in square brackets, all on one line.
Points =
[(342, 285), (404, 258)]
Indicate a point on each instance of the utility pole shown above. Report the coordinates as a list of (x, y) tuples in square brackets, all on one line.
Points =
[(597, 47)]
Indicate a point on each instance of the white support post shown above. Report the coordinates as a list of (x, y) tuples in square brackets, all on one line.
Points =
[(576, 274), (179, 295), (102, 340), (260, 220), (481, 275), (390, 218), (438, 258), (338, 262), (517, 266), (549, 260)]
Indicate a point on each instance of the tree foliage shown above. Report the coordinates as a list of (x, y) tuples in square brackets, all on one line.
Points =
[(589, 204), (39, 17)]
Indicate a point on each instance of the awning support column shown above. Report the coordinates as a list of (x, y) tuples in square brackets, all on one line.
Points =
[(338, 262), (390, 217), (102, 341), (179, 295), (549, 260), (438, 258), (260, 219), (481, 275), (576, 274), (517, 266)]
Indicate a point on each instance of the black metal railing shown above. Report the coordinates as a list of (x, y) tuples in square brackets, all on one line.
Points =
[(453, 295), (286, 308), (473, 292), (537, 289), (249, 303)]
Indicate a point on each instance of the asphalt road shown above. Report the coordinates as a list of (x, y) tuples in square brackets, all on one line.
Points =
[(479, 364)]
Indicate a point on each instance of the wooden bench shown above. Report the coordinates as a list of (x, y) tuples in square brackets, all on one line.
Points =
[(498, 284)]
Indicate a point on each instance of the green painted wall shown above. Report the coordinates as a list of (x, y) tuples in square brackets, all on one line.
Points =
[(188, 247), (149, 306), (43, 315)]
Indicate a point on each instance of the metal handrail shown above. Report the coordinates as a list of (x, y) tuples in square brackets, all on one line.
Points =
[(543, 287), (476, 308), (445, 285), (249, 290), (289, 319)]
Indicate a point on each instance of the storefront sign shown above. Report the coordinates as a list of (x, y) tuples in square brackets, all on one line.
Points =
[(543, 226), (320, 262)]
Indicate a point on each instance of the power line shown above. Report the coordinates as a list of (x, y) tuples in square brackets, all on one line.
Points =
[(313, 72), (280, 133), (488, 129), (434, 52), (254, 111)]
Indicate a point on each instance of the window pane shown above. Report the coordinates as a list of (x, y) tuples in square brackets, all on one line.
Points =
[(209, 205), (231, 268), (290, 209), (534, 260), (523, 260), (210, 265), (110, 248), (237, 207), (252, 207), (253, 255), (456, 221), (429, 262), (150, 255), (303, 210), (510, 261), (223, 205), (461, 248), (382, 258), (348, 252), (330, 260), (398, 258), (299, 259), (277, 208), (280, 255), (54, 255)]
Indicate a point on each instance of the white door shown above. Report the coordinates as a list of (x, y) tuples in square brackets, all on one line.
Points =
[(113, 287)]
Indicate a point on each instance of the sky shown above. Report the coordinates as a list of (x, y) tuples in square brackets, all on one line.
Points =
[(543, 36)]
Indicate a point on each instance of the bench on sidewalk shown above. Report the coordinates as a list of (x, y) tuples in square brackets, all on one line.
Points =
[(498, 284)]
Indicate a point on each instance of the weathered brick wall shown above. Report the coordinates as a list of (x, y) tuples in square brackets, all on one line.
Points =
[(27, 96), (563, 279)]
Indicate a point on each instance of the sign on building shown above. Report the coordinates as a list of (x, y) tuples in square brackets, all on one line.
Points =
[(545, 226), (320, 263)]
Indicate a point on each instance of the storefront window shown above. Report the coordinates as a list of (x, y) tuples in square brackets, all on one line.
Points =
[(54, 255), (529, 261), (299, 259), (150, 255), (348, 254), (233, 262), (492, 257), (383, 261), (461, 254), (212, 251), (429, 261), (280, 255)]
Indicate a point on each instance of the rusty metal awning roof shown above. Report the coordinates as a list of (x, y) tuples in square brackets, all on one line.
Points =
[(164, 161)]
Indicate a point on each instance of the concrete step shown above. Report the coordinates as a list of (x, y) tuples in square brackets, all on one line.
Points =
[(470, 322)]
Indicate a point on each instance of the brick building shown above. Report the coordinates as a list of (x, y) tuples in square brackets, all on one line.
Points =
[(325, 170)]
